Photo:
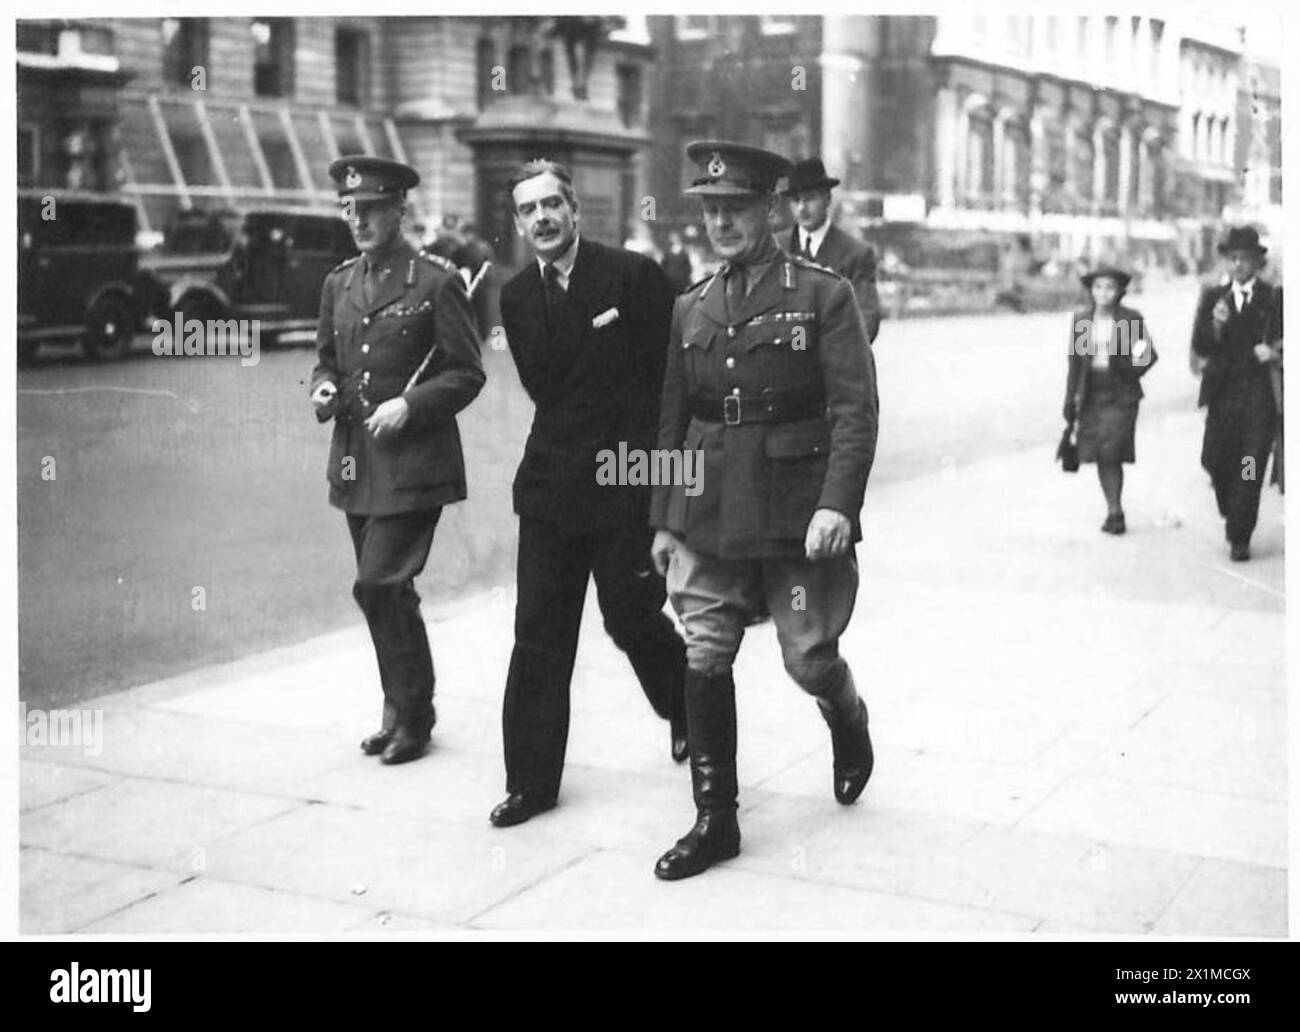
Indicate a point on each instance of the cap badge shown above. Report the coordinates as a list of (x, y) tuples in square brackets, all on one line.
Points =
[(353, 179), (716, 167)]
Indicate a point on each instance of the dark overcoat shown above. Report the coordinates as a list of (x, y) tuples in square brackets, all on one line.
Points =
[(852, 259), (595, 384)]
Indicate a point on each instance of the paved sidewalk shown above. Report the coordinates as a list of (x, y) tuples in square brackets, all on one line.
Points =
[(1076, 735)]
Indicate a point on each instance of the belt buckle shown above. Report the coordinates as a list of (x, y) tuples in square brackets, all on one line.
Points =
[(731, 410)]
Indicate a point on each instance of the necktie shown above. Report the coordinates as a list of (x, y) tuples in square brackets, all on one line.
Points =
[(554, 298), (1243, 298), (372, 281), (807, 246), (735, 289)]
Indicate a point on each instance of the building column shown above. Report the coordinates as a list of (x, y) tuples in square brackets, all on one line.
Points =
[(945, 147), (999, 161), (1126, 144), (847, 113)]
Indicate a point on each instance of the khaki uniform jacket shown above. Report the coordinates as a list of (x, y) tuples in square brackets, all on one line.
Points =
[(853, 260), (383, 342), (800, 334)]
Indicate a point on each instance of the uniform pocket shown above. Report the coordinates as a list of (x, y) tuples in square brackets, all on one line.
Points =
[(797, 458)]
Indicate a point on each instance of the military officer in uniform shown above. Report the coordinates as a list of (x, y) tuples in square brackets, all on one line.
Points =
[(398, 357), (771, 377)]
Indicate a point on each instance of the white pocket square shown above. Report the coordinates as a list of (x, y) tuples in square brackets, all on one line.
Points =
[(605, 318)]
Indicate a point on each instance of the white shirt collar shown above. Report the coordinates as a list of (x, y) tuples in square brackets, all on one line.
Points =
[(563, 264), (818, 236)]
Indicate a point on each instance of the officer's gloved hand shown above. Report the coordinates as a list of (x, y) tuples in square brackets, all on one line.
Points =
[(829, 534), (323, 397), (389, 417), (661, 550)]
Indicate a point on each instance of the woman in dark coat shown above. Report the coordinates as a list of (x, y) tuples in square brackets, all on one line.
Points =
[(1110, 350)]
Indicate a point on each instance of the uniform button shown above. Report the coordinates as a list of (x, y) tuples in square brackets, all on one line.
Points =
[(731, 362), (731, 331), (365, 349), (735, 390), (365, 320)]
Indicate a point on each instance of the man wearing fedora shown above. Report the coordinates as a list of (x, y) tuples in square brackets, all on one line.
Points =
[(816, 237), (398, 357), (771, 380), (1237, 348)]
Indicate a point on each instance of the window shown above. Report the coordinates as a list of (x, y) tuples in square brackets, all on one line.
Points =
[(629, 94), (1111, 23), (38, 38), (313, 234), (352, 66), (273, 57), (185, 47), (279, 160), (485, 59), (1157, 36), (1052, 41), (29, 165), (1081, 38), (192, 155)]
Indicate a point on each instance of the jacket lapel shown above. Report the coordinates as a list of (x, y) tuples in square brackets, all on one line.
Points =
[(766, 294)]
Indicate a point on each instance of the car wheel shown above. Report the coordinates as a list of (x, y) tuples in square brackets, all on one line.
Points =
[(109, 329)]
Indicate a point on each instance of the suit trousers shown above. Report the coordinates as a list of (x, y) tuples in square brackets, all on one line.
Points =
[(810, 602), (1239, 425), (552, 573), (391, 551)]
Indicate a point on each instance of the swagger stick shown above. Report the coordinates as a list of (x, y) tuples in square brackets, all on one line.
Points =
[(469, 292)]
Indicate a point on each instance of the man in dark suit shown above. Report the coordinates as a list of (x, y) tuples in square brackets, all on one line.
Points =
[(770, 377), (815, 237), (1237, 348), (588, 327), (398, 357)]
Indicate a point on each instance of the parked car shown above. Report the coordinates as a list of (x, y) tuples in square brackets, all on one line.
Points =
[(265, 264), (78, 274)]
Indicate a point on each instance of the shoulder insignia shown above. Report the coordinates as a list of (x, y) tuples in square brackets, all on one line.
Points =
[(346, 262), (808, 263), (702, 282), (443, 263)]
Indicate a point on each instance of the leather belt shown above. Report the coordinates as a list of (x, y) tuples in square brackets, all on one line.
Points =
[(771, 406)]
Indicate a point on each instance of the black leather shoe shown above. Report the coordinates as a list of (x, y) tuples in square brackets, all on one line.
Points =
[(715, 837), (681, 747), (516, 808), (375, 744), (853, 755), (1240, 552), (403, 747)]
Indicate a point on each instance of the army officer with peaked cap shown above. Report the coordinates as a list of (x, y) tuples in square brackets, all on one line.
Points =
[(398, 357), (770, 376)]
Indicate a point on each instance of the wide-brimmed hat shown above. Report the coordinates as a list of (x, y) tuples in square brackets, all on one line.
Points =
[(809, 174), (364, 177), (735, 169), (1242, 238), (1109, 272)]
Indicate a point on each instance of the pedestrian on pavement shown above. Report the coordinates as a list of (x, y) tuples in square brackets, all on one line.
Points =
[(1237, 348), (771, 377), (587, 325), (816, 237), (398, 357), (1110, 351), (676, 263)]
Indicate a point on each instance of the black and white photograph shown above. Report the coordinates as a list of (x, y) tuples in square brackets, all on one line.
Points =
[(670, 476)]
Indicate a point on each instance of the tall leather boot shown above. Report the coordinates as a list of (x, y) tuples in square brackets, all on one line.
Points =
[(711, 723), (846, 715)]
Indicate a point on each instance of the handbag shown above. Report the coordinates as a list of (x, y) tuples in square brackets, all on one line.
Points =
[(1068, 450)]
